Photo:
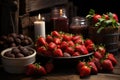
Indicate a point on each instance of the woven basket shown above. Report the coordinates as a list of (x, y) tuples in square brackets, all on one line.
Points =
[(108, 37)]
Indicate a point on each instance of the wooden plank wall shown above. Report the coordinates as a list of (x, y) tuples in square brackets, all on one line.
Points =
[(33, 5)]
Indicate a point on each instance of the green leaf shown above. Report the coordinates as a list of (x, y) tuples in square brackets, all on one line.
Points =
[(92, 12), (99, 30)]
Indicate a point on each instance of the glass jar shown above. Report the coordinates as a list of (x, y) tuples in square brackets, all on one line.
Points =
[(54, 17), (79, 26), (62, 22)]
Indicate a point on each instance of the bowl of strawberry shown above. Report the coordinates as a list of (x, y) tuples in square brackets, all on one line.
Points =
[(64, 46)]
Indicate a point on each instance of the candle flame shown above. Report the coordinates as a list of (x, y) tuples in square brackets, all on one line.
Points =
[(39, 17)]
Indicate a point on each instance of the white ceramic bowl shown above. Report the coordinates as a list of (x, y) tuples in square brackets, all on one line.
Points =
[(17, 65)]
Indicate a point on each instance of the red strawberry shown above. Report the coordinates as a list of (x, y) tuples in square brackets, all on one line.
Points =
[(41, 49), (70, 43), (82, 49), (41, 70), (30, 69), (41, 41), (76, 54), (88, 42), (58, 53), (107, 65), (79, 41), (69, 50), (115, 17), (102, 50), (90, 47), (64, 45), (49, 66), (94, 69), (106, 16), (98, 55), (67, 37), (49, 39), (80, 64), (51, 46), (55, 34), (112, 58), (97, 63), (76, 37), (85, 71), (57, 40), (96, 17)]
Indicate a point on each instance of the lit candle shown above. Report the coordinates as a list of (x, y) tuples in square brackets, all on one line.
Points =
[(39, 27)]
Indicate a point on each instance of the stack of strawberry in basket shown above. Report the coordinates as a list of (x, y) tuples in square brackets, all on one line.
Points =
[(59, 44)]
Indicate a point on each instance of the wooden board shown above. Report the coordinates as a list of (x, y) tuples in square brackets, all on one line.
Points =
[(33, 5)]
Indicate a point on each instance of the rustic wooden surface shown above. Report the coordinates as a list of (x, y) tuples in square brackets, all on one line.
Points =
[(64, 74)]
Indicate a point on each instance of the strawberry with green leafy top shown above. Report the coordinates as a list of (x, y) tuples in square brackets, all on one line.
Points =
[(85, 71), (94, 69), (107, 65), (112, 58), (58, 53)]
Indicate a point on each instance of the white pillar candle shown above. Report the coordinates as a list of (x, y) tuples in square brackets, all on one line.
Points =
[(39, 27)]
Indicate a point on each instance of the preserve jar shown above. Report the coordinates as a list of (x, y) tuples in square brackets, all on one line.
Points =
[(62, 22), (79, 26)]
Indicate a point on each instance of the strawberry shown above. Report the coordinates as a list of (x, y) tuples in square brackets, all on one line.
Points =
[(41, 70), (82, 49), (41, 49), (76, 54), (88, 42), (115, 17), (90, 47), (96, 17), (55, 34), (69, 50), (98, 55), (112, 58), (102, 50), (58, 53), (63, 45), (76, 37), (85, 71), (94, 69), (30, 69), (67, 37), (57, 40), (107, 65), (49, 38), (97, 63), (51, 46), (49, 66), (80, 64), (41, 41), (70, 43), (78, 41)]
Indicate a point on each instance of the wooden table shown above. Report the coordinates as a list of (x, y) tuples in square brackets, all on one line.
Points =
[(64, 74)]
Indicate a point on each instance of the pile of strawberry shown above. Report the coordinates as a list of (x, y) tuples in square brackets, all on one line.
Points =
[(38, 69), (100, 62), (109, 20), (59, 44)]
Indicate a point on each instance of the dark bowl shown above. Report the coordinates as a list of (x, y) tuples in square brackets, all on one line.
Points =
[(65, 62)]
